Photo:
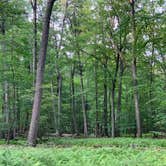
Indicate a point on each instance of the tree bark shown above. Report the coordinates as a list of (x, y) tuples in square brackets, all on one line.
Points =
[(34, 7), (32, 135), (96, 101), (73, 108), (83, 98), (134, 71), (105, 113), (119, 98), (54, 107), (113, 97), (59, 93)]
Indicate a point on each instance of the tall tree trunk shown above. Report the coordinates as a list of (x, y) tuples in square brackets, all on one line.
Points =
[(83, 98), (59, 74), (119, 98), (151, 112), (6, 105), (76, 34), (113, 110), (59, 94), (18, 111), (113, 97), (105, 113), (134, 71), (54, 107), (96, 101), (34, 7), (14, 115), (72, 92), (32, 135)]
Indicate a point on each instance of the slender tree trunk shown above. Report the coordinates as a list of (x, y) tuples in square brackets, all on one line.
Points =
[(113, 97), (134, 71), (82, 94), (32, 135), (35, 39), (34, 63), (14, 112), (59, 74), (113, 111), (59, 93), (119, 98), (54, 107), (83, 99), (76, 34), (14, 96), (105, 113), (96, 101), (151, 112), (18, 111), (6, 106), (73, 109)]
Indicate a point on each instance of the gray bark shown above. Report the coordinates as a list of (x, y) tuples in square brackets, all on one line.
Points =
[(105, 108), (32, 135), (119, 97), (96, 101), (59, 93), (113, 97), (34, 7), (73, 107), (83, 100), (134, 71)]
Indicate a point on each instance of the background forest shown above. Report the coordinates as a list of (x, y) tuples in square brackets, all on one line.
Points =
[(105, 72)]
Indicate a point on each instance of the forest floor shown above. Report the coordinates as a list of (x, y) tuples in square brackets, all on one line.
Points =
[(86, 152)]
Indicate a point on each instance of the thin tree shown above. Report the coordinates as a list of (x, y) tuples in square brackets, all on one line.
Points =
[(34, 7), (134, 70), (32, 135)]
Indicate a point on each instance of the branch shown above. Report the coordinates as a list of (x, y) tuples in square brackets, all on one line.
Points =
[(32, 4)]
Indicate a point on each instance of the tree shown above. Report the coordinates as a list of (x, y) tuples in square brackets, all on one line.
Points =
[(134, 70), (34, 63), (32, 135)]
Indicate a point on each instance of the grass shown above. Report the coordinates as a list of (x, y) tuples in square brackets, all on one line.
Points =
[(87, 152)]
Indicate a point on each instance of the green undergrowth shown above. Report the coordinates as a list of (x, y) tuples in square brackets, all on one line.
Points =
[(93, 142), (107, 142), (81, 156), (86, 152)]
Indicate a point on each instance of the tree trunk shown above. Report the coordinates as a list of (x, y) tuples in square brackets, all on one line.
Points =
[(96, 101), (54, 107), (119, 98), (32, 135), (76, 34), (105, 113), (134, 72), (59, 93), (113, 97), (18, 111), (83, 99), (34, 7), (72, 92)]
